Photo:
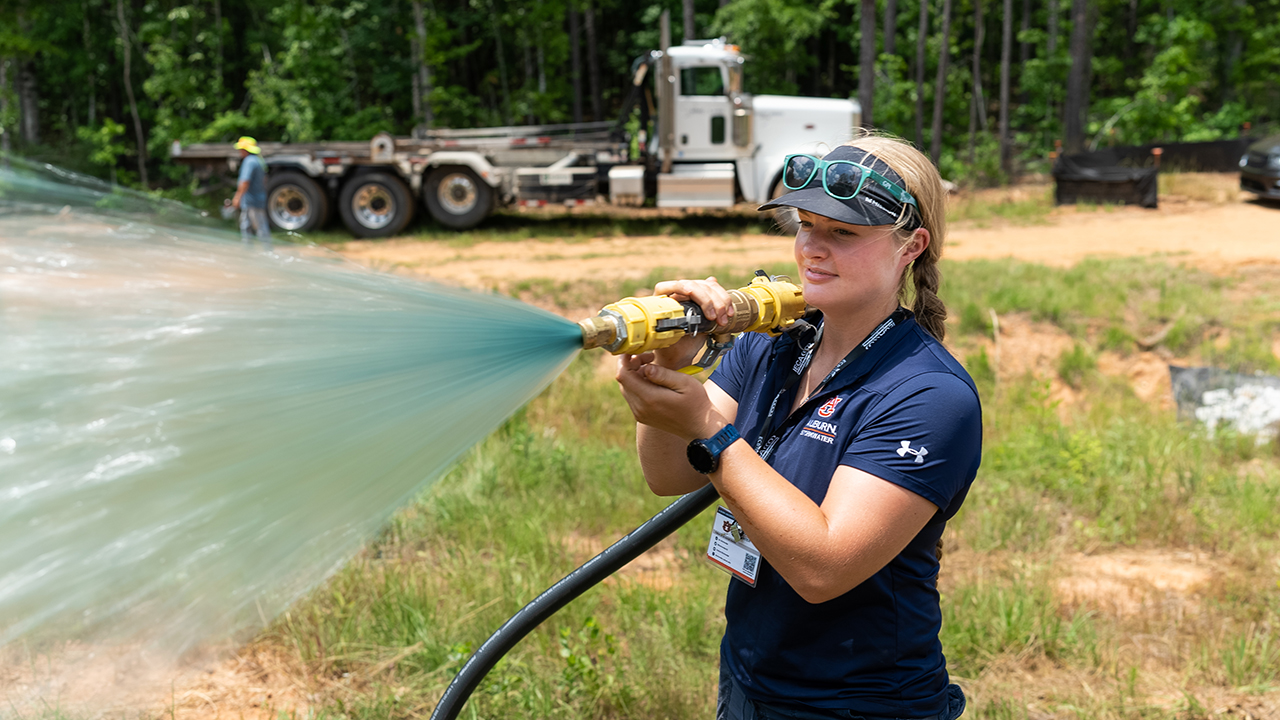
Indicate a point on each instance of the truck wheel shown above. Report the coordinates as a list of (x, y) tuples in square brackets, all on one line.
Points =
[(786, 220), (295, 202), (456, 197), (375, 205)]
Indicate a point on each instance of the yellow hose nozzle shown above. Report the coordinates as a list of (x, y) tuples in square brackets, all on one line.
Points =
[(635, 325)]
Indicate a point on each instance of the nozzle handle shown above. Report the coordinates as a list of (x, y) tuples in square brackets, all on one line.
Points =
[(693, 322)]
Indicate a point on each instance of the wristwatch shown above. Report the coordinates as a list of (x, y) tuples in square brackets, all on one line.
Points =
[(704, 455)]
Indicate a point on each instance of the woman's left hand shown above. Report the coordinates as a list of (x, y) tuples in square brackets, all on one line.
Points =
[(667, 400)]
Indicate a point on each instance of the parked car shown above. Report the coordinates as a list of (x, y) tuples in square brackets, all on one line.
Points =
[(1260, 168)]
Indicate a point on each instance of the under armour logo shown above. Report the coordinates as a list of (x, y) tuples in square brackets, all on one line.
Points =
[(906, 448)]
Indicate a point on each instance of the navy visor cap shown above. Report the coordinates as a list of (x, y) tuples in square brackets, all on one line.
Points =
[(872, 206)]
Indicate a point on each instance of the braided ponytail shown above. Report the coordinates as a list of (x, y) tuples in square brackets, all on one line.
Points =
[(930, 312), (925, 184)]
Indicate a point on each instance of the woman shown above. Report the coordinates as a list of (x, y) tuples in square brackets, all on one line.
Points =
[(841, 450)]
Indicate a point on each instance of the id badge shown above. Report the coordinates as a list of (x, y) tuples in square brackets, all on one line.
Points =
[(731, 551)]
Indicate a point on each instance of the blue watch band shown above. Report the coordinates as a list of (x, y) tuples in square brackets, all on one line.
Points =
[(727, 436), (704, 455)]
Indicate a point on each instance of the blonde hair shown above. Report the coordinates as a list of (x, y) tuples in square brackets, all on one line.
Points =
[(922, 181)]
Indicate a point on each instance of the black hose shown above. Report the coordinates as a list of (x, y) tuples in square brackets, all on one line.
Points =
[(592, 572)]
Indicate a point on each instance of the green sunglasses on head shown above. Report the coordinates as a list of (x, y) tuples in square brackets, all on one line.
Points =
[(841, 179)]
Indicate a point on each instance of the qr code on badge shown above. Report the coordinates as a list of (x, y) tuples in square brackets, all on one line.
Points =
[(749, 564)]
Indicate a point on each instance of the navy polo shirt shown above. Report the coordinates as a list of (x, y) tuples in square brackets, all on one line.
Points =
[(907, 413)]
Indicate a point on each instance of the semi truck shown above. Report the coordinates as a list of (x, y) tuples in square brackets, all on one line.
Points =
[(710, 145)]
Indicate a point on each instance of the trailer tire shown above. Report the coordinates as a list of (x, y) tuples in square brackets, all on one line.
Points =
[(785, 219), (375, 205), (295, 202), (456, 197)]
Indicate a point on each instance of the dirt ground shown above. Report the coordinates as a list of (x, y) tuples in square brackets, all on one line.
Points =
[(1222, 234), (1214, 236)]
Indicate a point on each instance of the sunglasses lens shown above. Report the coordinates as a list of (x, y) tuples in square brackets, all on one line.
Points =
[(799, 171), (842, 180)]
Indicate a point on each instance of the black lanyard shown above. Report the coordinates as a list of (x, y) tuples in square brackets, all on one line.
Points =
[(770, 435)]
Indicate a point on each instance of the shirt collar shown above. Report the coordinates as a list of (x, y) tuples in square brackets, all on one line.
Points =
[(788, 349)]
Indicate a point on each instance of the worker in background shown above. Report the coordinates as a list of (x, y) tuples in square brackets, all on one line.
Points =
[(251, 194)]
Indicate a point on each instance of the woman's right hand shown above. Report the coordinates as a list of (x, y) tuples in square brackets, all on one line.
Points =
[(716, 305)]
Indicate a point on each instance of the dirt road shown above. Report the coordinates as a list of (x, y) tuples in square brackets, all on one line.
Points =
[(1215, 237)]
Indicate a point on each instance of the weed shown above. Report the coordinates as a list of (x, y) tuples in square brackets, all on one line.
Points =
[(982, 371), (1192, 709), (1117, 338), (1076, 365), (1216, 188), (1073, 297), (1012, 614), (974, 320), (586, 654), (1011, 206), (1248, 659), (1248, 350), (1001, 709)]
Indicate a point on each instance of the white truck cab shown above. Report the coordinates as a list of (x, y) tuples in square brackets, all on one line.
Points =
[(716, 122)]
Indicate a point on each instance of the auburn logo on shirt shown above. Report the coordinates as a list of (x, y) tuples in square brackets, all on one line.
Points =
[(829, 407)]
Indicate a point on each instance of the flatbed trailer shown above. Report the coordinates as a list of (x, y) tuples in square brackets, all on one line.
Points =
[(711, 145), (460, 175)]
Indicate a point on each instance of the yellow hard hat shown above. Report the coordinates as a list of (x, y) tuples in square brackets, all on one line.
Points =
[(248, 144)]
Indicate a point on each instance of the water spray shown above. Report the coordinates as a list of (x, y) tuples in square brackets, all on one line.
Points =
[(193, 435)]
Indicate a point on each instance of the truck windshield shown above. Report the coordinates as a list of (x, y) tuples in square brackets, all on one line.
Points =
[(704, 80)]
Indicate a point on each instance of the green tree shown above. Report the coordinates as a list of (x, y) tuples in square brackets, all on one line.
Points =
[(774, 34), (107, 146)]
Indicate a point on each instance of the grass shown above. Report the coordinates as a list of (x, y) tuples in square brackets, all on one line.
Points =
[(1115, 303), (1016, 206), (579, 225), (1215, 188), (1032, 205), (1111, 472), (1076, 364), (560, 481)]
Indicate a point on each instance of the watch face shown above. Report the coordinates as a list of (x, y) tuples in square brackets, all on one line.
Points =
[(701, 458)]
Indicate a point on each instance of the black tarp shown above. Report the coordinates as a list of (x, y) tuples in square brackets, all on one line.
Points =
[(1214, 156), (1097, 177), (1127, 173)]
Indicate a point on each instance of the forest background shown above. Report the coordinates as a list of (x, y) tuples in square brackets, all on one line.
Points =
[(106, 86)]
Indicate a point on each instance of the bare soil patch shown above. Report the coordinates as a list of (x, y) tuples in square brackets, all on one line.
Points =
[(1132, 582), (657, 568), (1218, 237), (1025, 346), (110, 681), (256, 684), (502, 264), (1215, 238)]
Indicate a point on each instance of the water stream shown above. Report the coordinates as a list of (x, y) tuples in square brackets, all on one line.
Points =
[(193, 434)]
